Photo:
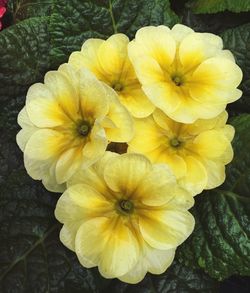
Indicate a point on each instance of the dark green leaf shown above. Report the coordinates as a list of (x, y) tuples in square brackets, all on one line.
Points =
[(213, 6), (75, 21), (220, 243), (22, 9), (24, 56), (238, 41)]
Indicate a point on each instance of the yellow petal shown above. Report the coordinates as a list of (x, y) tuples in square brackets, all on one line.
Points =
[(196, 177), (64, 93), (210, 144), (155, 261), (176, 162), (94, 149), (68, 163), (94, 174), (115, 46), (68, 233), (41, 151), (215, 75), (137, 103), (164, 121), (180, 31), (197, 47), (125, 172), (108, 254), (156, 42), (49, 180), (156, 187), (119, 115), (28, 129), (93, 97), (216, 173), (42, 107), (88, 57), (147, 69), (147, 136), (166, 229), (72, 76), (163, 96)]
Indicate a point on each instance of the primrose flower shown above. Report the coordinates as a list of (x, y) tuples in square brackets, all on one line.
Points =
[(109, 61), (186, 74), (67, 123), (125, 216), (197, 153)]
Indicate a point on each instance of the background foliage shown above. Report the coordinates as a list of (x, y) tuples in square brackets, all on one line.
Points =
[(40, 36)]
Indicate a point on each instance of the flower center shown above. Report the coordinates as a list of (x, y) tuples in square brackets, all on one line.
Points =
[(84, 128), (175, 142), (117, 86), (178, 80), (125, 206)]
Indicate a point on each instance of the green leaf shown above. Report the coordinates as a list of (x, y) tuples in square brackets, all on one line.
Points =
[(220, 243), (75, 21), (238, 41), (24, 56), (22, 9), (178, 278), (213, 6)]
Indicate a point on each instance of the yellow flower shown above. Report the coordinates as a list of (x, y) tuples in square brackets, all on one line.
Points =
[(197, 153), (109, 61), (186, 74), (67, 123), (125, 216)]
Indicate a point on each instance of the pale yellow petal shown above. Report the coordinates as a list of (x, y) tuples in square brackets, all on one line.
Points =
[(137, 103), (197, 47), (147, 136), (156, 42), (119, 115), (108, 254), (196, 177), (95, 148), (173, 227), (68, 233), (156, 187), (147, 69), (210, 144), (216, 173), (180, 31), (28, 129), (42, 107), (88, 57), (94, 174), (163, 96), (164, 121), (115, 46), (93, 97), (64, 92), (68, 163), (72, 75), (125, 172), (49, 180), (153, 260)]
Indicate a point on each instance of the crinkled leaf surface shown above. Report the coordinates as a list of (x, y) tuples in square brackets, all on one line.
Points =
[(73, 22), (22, 9), (220, 243), (213, 6), (24, 56)]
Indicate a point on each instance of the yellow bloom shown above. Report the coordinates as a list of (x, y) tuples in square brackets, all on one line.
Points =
[(125, 216), (197, 153), (109, 61), (186, 74), (67, 123)]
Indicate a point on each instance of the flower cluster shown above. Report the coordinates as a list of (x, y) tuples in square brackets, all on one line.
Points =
[(161, 99)]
